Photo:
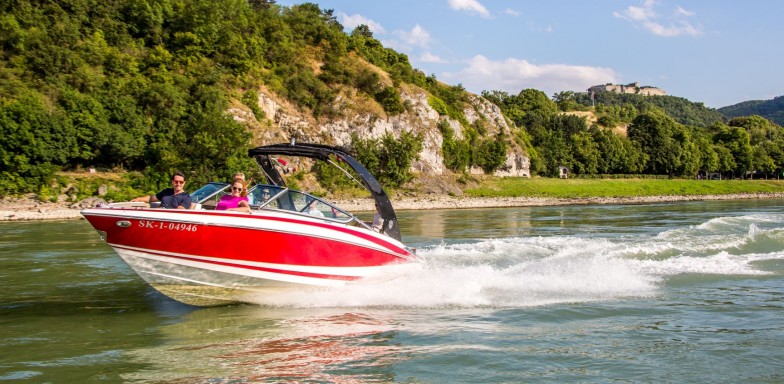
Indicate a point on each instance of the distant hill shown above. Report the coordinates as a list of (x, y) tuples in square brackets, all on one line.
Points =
[(682, 110), (772, 110)]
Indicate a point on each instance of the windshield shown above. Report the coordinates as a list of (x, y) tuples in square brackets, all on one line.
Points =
[(265, 196), (204, 193)]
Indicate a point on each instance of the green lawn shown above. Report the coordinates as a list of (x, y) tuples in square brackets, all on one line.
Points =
[(572, 188)]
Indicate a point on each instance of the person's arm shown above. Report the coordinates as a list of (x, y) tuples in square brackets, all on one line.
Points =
[(146, 199), (185, 202), (242, 206)]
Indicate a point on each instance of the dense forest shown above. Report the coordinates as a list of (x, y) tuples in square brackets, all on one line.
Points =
[(144, 85), (655, 142), (772, 110)]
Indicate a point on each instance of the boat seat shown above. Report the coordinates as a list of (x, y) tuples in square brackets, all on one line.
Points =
[(195, 206)]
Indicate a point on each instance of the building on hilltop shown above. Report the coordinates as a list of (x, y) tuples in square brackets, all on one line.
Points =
[(632, 88)]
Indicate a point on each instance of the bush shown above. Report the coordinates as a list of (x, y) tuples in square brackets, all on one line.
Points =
[(389, 159), (251, 99), (389, 99)]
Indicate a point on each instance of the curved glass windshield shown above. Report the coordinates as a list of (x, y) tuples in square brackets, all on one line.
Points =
[(202, 194), (264, 196)]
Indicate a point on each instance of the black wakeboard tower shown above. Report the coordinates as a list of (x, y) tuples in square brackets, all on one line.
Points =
[(322, 152)]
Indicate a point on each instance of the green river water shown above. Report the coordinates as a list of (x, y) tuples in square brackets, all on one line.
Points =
[(680, 292)]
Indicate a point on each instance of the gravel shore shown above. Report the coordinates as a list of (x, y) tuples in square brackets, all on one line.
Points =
[(28, 208)]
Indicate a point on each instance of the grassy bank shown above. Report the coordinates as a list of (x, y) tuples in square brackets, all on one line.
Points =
[(584, 188), (123, 186)]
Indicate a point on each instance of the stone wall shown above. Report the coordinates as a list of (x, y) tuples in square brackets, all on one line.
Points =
[(632, 88)]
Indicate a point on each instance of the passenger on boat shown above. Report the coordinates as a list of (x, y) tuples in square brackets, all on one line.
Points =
[(240, 175), (265, 195), (173, 198), (237, 200)]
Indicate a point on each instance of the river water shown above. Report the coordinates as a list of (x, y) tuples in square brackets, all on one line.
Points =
[(680, 292)]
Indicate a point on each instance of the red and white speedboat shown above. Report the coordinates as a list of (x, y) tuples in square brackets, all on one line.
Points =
[(206, 257)]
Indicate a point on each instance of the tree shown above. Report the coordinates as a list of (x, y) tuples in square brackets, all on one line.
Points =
[(759, 128), (612, 153), (708, 158), (663, 141), (569, 125), (585, 154), (566, 101), (363, 31), (527, 102), (35, 143), (738, 142), (555, 152), (763, 162), (490, 154), (389, 158)]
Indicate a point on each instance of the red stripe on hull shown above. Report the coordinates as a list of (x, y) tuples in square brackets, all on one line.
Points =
[(262, 269), (247, 244)]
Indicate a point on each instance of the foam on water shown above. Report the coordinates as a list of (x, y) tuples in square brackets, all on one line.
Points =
[(531, 271)]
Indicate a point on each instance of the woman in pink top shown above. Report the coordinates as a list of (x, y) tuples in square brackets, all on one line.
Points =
[(237, 200)]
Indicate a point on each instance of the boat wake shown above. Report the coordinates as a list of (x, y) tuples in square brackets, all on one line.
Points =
[(534, 271)]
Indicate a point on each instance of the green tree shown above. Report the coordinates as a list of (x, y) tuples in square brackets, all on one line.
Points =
[(456, 153), (389, 158), (35, 144), (491, 153), (389, 99), (565, 101), (666, 143), (585, 154), (612, 153), (738, 143), (708, 158)]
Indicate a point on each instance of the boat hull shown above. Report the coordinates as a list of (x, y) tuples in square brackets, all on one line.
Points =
[(212, 257)]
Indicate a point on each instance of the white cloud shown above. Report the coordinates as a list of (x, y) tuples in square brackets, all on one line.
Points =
[(645, 17), (514, 75), (417, 37), (511, 12), (428, 57), (352, 21), (533, 27), (682, 12), (470, 6)]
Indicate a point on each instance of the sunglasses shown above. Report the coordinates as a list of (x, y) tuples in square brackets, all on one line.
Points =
[(265, 192), (178, 182), (236, 189)]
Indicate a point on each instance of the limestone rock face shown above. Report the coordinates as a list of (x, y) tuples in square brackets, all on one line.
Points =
[(283, 122)]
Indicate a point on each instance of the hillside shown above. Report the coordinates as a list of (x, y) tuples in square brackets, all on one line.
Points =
[(146, 88), (772, 110), (682, 110), (154, 87)]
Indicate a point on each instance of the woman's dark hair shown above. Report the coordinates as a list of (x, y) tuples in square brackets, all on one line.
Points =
[(178, 173)]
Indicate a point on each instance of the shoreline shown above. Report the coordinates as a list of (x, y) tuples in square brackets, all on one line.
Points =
[(27, 209)]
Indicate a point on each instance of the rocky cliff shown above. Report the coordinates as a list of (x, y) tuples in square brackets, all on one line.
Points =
[(282, 122)]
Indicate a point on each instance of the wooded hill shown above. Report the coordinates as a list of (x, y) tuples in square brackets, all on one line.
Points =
[(772, 110), (147, 85)]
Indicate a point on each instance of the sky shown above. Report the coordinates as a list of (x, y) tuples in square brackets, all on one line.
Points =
[(717, 52)]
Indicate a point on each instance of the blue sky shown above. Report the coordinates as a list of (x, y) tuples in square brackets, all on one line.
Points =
[(718, 52)]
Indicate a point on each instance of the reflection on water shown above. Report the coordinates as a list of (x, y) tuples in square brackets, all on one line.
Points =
[(445, 224), (257, 344)]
